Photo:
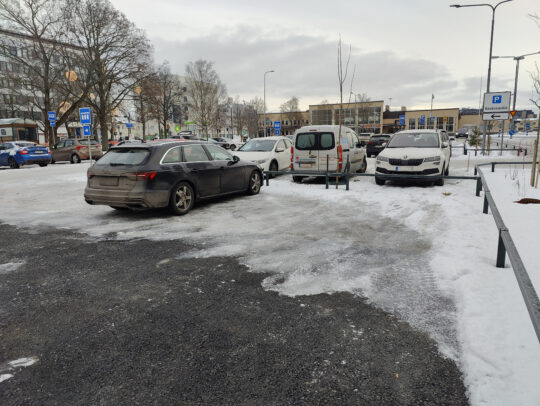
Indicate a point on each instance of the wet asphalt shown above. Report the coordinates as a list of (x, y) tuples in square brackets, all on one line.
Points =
[(129, 323)]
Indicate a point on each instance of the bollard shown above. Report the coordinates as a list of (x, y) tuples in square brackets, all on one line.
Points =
[(347, 181), (486, 204), (501, 250), (465, 148), (326, 176), (493, 167), (267, 177)]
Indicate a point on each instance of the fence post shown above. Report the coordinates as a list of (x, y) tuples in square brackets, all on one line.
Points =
[(501, 250), (326, 176), (267, 178), (465, 148), (486, 204), (493, 167), (478, 186), (347, 180), (475, 170)]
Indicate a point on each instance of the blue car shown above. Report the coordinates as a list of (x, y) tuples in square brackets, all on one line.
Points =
[(18, 153)]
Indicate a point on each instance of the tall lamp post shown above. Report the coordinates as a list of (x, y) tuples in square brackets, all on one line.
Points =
[(264, 102), (493, 8)]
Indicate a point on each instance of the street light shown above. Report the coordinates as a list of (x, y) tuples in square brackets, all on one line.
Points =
[(493, 8), (517, 59), (264, 102)]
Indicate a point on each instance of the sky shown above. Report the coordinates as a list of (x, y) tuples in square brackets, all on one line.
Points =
[(402, 52)]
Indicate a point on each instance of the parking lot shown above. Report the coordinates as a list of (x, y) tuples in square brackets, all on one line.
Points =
[(298, 294)]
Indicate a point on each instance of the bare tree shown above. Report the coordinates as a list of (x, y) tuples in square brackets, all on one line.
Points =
[(342, 77), (251, 110), (291, 111), (206, 93), (41, 66), (144, 98), (167, 93), (535, 76), (363, 109), (113, 50)]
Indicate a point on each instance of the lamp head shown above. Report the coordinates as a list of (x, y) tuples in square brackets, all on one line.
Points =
[(455, 5)]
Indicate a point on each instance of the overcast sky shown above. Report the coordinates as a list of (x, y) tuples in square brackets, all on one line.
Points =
[(404, 50)]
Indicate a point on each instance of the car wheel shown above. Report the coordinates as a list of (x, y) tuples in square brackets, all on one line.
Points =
[(75, 159), (440, 182), (273, 168), (364, 167), (297, 179), (232, 147), (182, 198), (255, 182), (43, 165), (379, 181), (13, 163)]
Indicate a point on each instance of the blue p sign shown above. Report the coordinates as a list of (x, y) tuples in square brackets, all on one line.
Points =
[(497, 99)]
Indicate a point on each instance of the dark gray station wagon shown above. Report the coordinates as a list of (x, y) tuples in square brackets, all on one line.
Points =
[(173, 174)]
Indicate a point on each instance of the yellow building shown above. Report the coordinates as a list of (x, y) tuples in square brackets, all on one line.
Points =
[(442, 119)]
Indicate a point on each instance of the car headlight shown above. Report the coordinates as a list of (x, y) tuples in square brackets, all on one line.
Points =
[(261, 161), (432, 159), (382, 158)]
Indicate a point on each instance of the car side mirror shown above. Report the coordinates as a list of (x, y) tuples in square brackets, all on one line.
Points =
[(445, 144), (280, 150), (235, 159)]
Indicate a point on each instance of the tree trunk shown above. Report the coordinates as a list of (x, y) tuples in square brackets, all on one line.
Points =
[(104, 127)]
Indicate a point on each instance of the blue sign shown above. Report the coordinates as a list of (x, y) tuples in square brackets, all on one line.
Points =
[(267, 121), (129, 125), (86, 130), (527, 125), (86, 115), (511, 132), (277, 125), (402, 120), (276, 131), (497, 99), (52, 123), (51, 115), (422, 119)]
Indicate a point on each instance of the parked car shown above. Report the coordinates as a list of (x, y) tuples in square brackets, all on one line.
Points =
[(18, 153), (316, 150), (234, 141), (133, 141), (463, 132), (415, 152), (222, 142), (270, 153), (173, 174), (376, 144), (364, 137), (75, 150)]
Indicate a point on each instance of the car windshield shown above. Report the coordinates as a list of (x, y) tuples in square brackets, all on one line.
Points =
[(414, 140), (124, 156), (258, 145), (25, 144), (380, 137)]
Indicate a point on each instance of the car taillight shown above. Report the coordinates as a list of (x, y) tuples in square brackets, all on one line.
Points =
[(23, 152), (89, 174), (292, 156), (146, 175), (340, 153), (370, 142)]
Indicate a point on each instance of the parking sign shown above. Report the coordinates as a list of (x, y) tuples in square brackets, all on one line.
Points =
[(86, 115), (86, 130)]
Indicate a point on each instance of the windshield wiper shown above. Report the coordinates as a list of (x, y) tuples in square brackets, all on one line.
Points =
[(116, 164)]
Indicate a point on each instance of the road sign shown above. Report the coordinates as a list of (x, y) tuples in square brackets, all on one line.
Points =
[(86, 130), (86, 115), (422, 119), (276, 131), (277, 125), (527, 125), (52, 123), (402, 120), (496, 106), (130, 125), (177, 127), (445, 119), (513, 112), (51, 115), (511, 132)]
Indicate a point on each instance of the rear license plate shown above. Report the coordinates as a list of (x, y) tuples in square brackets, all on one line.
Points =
[(108, 181), (38, 152)]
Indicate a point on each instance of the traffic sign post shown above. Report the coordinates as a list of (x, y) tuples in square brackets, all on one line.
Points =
[(86, 131), (276, 131), (277, 127), (496, 106), (85, 115), (422, 119)]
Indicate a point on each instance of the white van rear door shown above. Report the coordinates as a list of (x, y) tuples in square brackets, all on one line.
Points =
[(306, 155)]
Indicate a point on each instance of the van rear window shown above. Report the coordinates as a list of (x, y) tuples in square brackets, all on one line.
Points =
[(314, 141)]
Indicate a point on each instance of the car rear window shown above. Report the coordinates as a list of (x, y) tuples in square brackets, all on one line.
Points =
[(124, 156), (85, 142), (314, 141), (25, 144)]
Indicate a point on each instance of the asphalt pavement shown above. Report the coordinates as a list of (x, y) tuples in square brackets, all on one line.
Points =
[(111, 322)]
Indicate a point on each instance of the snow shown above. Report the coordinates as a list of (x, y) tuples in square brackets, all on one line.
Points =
[(5, 377), (10, 267), (23, 362), (426, 254)]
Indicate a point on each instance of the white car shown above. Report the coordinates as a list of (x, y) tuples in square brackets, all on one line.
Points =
[(415, 152), (270, 153)]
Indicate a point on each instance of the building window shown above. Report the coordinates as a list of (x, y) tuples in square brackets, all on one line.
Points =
[(450, 124), (321, 117), (440, 123), (412, 123), (430, 122)]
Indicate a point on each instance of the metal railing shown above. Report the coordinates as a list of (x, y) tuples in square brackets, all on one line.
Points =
[(506, 246)]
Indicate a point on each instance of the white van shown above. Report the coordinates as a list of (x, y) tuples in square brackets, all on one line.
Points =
[(316, 150)]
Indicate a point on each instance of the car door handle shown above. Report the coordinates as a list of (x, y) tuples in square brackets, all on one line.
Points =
[(194, 170)]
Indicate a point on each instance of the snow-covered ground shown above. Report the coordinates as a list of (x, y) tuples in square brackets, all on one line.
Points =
[(426, 254)]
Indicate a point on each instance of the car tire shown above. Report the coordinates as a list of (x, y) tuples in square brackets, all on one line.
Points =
[(232, 147), (440, 182), (447, 171), (13, 163), (379, 181), (255, 183), (43, 165), (75, 159), (273, 167), (297, 179), (364, 167), (182, 198)]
